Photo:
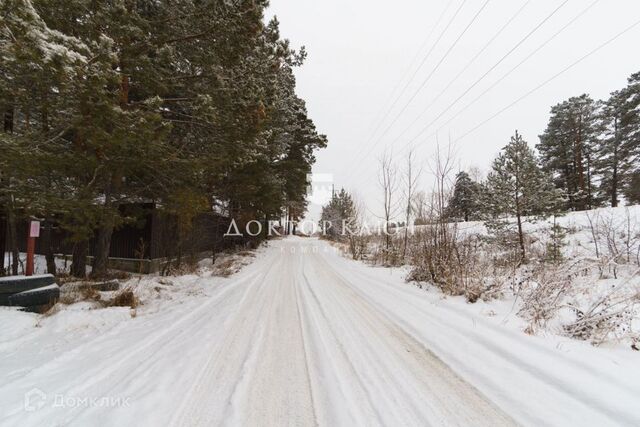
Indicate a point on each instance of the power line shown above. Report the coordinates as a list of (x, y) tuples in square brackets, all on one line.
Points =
[(506, 55), (465, 68), (520, 63), (428, 78), (549, 80), (430, 74), (535, 89), (529, 56), (379, 119), (424, 59), (493, 67)]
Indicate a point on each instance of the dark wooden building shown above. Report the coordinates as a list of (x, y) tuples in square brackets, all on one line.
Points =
[(148, 241)]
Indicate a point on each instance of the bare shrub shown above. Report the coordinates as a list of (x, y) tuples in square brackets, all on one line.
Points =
[(224, 268), (73, 292), (549, 289), (180, 269), (456, 265), (543, 293), (507, 243), (123, 298), (359, 245), (89, 293), (477, 274), (358, 239), (616, 241), (433, 256), (385, 250), (388, 181), (608, 317)]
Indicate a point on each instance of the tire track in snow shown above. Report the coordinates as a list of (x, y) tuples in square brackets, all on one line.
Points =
[(509, 355), (306, 347), (277, 385), (271, 385), (340, 362), (106, 370), (222, 372), (375, 379), (295, 341), (436, 379)]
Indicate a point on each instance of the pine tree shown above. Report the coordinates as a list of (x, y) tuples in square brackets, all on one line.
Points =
[(567, 150), (42, 69), (611, 152), (466, 200), (518, 188), (189, 104), (556, 242), (338, 216), (618, 151), (630, 135)]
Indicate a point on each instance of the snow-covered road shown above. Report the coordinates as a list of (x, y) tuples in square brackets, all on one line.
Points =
[(306, 337), (305, 348)]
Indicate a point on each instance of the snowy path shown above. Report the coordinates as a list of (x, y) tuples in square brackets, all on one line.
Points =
[(303, 348), (306, 337)]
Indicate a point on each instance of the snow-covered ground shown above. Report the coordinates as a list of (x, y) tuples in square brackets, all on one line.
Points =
[(592, 290), (303, 336)]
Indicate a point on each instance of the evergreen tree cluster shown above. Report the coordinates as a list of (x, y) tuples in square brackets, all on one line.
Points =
[(190, 104), (592, 148), (339, 216), (516, 188), (466, 202), (590, 151)]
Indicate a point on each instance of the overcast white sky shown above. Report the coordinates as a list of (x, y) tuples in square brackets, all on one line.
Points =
[(359, 50)]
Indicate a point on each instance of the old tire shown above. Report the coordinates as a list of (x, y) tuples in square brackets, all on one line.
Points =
[(36, 297), (16, 284)]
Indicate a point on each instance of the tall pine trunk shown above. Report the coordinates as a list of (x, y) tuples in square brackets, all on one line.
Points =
[(523, 255), (102, 248), (579, 167), (103, 240), (519, 217), (79, 259), (8, 120), (13, 241), (3, 242), (614, 176), (46, 245), (5, 230)]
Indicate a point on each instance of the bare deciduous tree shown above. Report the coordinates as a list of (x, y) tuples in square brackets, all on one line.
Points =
[(388, 180), (442, 166), (411, 177), (420, 205)]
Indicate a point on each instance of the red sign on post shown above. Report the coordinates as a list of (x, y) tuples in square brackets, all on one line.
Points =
[(34, 231)]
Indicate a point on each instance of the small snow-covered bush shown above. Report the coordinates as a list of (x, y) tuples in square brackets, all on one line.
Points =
[(615, 238), (124, 298), (606, 315), (358, 245), (229, 264), (433, 257), (543, 292), (458, 265)]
